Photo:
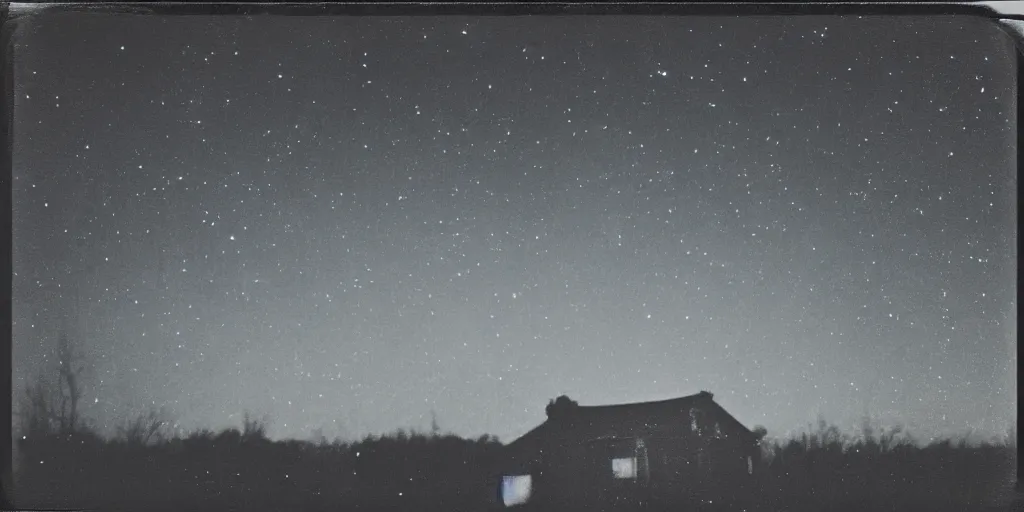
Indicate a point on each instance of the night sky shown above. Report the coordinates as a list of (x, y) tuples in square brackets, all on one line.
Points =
[(350, 223)]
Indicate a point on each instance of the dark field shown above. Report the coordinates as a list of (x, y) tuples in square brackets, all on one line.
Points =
[(243, 470)]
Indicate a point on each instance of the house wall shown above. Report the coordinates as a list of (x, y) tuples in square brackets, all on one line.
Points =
[(573, 469)]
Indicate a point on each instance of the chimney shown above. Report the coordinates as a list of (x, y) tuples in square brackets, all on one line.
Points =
[(560, 408)]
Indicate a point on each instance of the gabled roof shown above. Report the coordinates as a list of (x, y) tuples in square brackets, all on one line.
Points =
[(629, 413), (639, 409)]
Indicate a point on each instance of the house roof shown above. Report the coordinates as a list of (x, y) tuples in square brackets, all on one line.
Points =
[(601, 419), (642, 408)]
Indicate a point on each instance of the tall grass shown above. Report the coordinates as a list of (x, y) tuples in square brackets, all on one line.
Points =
[(885, 470), (243, 469), (144, 467)]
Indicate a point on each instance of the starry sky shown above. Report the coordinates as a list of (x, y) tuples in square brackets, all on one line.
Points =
[(351, 223)]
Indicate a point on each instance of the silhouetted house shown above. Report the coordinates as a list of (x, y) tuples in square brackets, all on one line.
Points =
[(594, 457)]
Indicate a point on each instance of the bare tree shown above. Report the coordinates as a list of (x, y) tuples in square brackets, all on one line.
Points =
[(70, 368), (51, 407), (37, 410), (145, 428), (317, 437), (435, 429), (254, 429)]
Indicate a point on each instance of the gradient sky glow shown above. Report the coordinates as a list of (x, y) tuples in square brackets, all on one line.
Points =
[(347, 223)]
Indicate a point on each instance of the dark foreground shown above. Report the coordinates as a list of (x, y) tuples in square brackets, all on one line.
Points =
[(233, 470)]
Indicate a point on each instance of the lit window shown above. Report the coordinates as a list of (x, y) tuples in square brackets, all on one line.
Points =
[(624, 467), (750, 465), (515, 490)]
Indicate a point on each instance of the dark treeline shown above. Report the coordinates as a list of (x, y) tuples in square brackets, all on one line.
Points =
[(240, 469), (62, 463), (885, 471)]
